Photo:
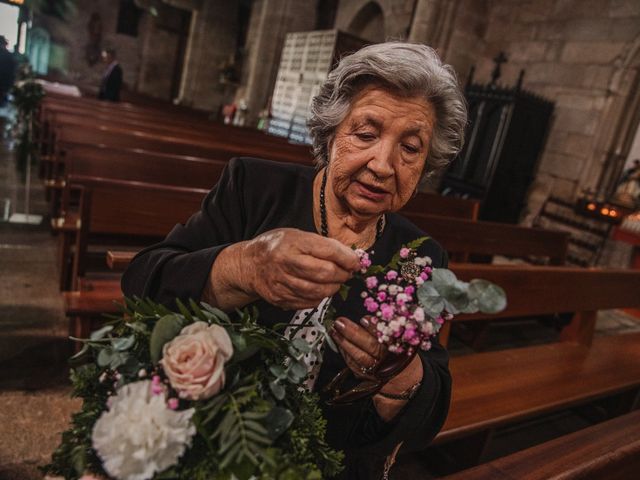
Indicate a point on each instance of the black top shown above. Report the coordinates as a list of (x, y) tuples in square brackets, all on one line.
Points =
[(111, 84), (8, 67), (254, 196)]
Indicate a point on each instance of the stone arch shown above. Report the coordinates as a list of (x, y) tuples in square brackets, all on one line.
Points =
[(623, 115), (368, 23)]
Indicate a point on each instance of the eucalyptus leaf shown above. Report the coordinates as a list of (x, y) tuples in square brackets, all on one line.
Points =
[(277, 390), (118, 359), (242, 355), (165, 330), (278, 371), (430, 300), (104, 357), (99, 334), (84, 350), (123, 343), (301, 345), (277, 421), (297, 371), (490, 297), (441, 277), (238, 340)]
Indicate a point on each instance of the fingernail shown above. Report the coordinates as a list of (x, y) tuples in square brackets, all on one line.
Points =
[(340, 324), (364, 322)]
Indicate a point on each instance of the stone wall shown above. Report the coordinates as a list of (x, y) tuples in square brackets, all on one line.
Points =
[(70, 40), (572, 51), (396, 13)]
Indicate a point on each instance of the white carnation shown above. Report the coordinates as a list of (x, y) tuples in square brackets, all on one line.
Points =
[(139, 435)]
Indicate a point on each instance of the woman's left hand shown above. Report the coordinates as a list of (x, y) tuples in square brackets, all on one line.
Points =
[(362, 352)]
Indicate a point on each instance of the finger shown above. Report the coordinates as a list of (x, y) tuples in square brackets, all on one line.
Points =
[(318, 270), (359, 336), (334, 251), (311, 290), (360, 357)]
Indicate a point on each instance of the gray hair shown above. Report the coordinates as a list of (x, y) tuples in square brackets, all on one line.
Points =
[(402, 68)]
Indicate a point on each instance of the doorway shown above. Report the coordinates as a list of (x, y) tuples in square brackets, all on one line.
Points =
[(9, 23)]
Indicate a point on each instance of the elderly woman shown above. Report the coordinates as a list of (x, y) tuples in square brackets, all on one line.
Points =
[(280, 235)]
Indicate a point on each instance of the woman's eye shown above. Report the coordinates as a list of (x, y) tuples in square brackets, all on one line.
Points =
[(365, 136), (410, 148)]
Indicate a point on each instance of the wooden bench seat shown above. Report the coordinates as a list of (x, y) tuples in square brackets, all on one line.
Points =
[(462, 237), (608, 450), (493, 389), (112, 211), (85, 308)]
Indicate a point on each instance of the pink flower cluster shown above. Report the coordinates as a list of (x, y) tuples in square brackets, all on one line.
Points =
[(391, 300)]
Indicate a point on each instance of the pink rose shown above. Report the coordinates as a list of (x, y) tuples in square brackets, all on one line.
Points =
[(194, 360)]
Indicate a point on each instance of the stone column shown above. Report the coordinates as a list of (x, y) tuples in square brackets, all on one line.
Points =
[(271, 21), (212, 38), (433, 23)]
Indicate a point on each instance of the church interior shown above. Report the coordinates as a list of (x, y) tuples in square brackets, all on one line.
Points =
[(120, 116)]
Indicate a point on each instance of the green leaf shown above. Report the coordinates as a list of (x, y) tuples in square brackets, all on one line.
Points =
[(430, 300), (296, 371), (104, 357), (278, 371), (165, 330), (277, 390), (243, 470), (344, 291), (442, 277), (123, 343), (490, 298), (415, 244), (99, 334), (277, 421), (218, 314), (84, 350), (301, 345), (184, 311)]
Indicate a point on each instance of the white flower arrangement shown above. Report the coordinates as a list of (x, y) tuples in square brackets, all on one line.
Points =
[(140, 435)]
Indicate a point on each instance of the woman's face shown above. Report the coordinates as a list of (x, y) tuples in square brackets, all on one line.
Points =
[(379, 152)]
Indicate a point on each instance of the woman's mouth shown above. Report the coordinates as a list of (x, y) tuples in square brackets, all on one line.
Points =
[(371, 191)]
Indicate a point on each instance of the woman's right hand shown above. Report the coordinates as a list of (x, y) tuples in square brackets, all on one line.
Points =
[(289, 268)]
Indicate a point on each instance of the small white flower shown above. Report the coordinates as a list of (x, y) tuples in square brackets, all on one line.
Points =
[(139, 435), (421, 261)]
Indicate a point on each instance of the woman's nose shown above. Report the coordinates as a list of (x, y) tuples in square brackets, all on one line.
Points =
[(381, 163)]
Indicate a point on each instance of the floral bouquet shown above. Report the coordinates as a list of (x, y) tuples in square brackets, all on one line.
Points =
[(196, 394), (407, 302), (193, 395)]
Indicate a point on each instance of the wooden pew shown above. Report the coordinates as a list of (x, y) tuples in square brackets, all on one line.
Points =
[(157, 144), (134, 165), (435, 204), (608, 450), (116, 211), (462, 237), (494, 389)]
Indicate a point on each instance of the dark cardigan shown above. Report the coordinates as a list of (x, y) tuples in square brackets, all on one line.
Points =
[(252, 197)]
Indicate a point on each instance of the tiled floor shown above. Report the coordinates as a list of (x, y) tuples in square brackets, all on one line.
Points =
[(34, 392)]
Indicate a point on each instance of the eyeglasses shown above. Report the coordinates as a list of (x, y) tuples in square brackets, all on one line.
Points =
[(389, 367)]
